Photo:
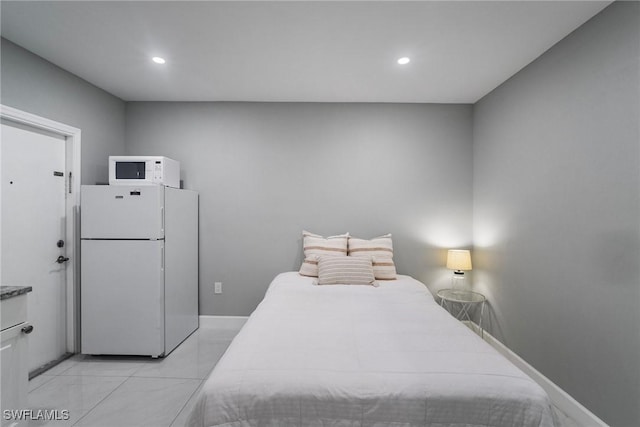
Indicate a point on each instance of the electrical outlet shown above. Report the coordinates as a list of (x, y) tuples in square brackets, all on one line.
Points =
[(217, 288)]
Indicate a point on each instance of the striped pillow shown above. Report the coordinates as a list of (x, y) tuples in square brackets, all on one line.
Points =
[(315, 246), (347, 270), (380, 250)]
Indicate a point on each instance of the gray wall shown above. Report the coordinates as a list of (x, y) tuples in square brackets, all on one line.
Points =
[(557, 213), (266, 171), (31, 84)]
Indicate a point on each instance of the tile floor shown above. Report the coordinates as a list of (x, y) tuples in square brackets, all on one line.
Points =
[(130, 391), (136, 391)]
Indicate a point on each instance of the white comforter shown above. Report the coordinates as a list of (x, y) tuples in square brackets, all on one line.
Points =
[(363, 356)]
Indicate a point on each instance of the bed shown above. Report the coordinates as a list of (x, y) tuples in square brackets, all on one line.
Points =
[(339, 355)]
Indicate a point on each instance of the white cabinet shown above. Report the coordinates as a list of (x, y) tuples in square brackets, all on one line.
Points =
[(13, 354)]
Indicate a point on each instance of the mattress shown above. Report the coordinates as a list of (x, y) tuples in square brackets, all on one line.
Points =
[(339, 355)]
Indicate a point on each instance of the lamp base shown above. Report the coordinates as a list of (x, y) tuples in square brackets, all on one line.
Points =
[(459, 281)]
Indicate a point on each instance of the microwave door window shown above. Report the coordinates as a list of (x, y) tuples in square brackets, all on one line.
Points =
[(130, 170)]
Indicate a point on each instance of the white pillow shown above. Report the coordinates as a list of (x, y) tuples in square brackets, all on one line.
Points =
[(380, 250), (315, 246), (347, 270)]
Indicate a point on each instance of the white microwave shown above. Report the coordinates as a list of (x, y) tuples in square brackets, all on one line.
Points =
[(142, 170)]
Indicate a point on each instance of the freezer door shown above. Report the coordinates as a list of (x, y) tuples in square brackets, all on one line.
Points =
[(122, 297), (122, 212)]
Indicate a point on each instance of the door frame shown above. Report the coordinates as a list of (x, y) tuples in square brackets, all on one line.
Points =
[(72, 208)]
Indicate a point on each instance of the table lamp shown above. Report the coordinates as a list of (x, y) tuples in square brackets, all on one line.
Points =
[(458, 260)]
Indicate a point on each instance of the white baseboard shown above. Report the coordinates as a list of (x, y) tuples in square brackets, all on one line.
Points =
[(222, 322), (560, 398)]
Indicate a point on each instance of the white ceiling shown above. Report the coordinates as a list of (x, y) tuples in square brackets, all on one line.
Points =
[(313, 51)]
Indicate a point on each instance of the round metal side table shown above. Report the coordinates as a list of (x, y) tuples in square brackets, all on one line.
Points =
[(464, 300)]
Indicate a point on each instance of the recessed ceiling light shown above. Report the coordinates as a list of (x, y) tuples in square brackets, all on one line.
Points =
[(158, 60), (404, 60)]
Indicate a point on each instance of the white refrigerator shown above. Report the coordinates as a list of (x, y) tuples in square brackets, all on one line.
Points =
[(139, 269)]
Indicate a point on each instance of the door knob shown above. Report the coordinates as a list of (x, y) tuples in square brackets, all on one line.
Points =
[(27, 329), (62, 259)]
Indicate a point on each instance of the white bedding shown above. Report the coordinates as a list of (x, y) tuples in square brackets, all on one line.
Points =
[(340, 355)]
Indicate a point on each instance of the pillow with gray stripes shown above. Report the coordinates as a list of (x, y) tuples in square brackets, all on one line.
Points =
[(347, 270)]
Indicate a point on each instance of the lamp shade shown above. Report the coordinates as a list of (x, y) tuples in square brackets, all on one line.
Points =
[(459, 259)]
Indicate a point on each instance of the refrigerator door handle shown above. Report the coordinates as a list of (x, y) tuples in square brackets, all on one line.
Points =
[(162, 258), (162, 219)]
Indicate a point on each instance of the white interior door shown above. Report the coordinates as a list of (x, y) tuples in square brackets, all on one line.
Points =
[(33, 222)]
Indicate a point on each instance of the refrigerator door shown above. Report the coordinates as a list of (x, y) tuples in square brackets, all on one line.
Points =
[(122, 212), (122, 297)]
